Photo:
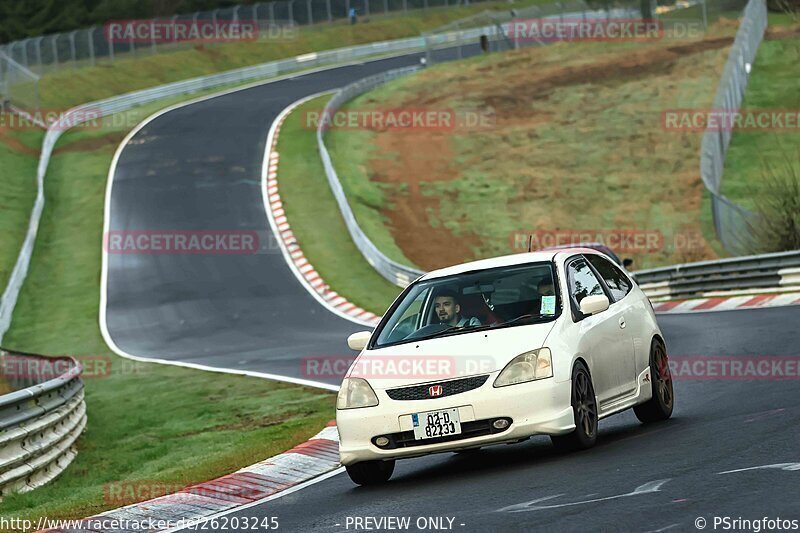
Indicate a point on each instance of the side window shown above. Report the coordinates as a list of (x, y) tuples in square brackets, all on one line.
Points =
[(616, 281), (582, 281)]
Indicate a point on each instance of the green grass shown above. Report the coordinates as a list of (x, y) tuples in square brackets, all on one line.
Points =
[(561, 152), (18, 160), (351, 152), (773, 86), (314, 216), (69, 87), (147, 423)]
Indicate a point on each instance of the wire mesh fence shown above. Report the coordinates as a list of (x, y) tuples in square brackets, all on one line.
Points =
[(90, 45), (733, 224)]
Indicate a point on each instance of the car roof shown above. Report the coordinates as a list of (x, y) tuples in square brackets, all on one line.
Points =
[(506, 260)]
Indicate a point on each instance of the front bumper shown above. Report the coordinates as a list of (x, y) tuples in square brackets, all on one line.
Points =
[(535, 408)]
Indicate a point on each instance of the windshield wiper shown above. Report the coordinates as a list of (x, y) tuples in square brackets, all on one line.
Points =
[(521, 317), (451, 329)]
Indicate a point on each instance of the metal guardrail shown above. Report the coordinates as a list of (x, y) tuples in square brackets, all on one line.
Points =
[(126, 101), (776, 272), (393, 271), (40, 423)]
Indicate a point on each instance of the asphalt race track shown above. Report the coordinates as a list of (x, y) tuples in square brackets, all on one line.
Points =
[(656, 478), (199, 167)]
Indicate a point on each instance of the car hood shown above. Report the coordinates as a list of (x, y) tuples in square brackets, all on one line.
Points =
[(451, 357)]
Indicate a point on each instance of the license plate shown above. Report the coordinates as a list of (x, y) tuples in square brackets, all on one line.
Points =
[(433, 424)]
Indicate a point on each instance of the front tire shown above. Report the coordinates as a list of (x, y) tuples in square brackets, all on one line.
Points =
[(660, 406), (370, 472), (584, 408)]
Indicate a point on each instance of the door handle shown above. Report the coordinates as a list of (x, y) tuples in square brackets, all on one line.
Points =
[(622, 323)]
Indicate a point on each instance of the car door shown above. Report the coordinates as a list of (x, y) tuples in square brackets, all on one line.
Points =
[(603, 336), (618, 286)]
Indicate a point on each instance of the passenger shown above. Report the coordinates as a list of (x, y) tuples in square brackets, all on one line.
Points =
[(448, 311)]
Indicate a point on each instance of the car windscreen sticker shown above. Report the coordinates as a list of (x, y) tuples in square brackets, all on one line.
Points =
[(415, 419), (548, 305)]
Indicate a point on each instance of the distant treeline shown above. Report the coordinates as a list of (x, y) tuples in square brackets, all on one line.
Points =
[(20, 19)]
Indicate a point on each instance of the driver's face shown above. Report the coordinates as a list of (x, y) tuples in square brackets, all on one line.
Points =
[(546, 290), (446, 309)]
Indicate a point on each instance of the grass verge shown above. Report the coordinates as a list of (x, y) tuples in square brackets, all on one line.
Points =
[(147, 423), (19, 155), (773, 86), (315, 219), (573, 143)]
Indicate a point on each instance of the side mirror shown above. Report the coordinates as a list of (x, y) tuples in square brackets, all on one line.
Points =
[(627, 262), (358, 341), (591, 305)]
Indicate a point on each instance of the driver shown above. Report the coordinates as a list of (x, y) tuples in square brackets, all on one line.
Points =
[(448, 311)]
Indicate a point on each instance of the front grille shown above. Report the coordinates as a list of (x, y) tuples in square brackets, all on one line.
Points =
[(478, 428), (449, 388)]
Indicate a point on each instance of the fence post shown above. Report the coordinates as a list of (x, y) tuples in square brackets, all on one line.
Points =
[(271, 13), (53, 40), (366, 8), (72, 50), (291, 10), (405, 5), (330, 14), (385, 6), (174, 23), (153, 36), (90, 39), (25, 52), (705, 14), (110, 46), (310, 13), (38, 44)]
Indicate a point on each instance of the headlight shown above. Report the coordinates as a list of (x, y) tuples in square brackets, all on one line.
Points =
[(356, 392), (536, 364)]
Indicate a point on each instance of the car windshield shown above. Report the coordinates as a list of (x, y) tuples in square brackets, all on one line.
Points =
[(485, 299)]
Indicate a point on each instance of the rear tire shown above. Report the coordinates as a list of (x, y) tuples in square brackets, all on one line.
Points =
[(584, 408), (660, 406), (370, 472)]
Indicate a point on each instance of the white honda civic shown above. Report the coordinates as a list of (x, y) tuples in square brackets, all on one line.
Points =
[(498, 350)]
